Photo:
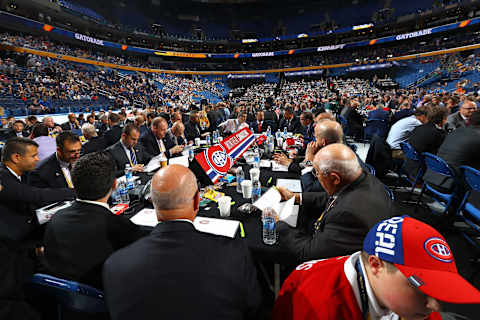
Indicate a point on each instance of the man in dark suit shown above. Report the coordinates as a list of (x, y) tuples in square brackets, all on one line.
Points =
[(177, 262), (94, 143), (269, 114), (461, 118), (291, 122), (17, 130), (19, 230), (460, 148), (113, 135), (140, 123), (259, 125), (54, 171), (127, 151), (354, 119), (306, 119), (192, 127), (156, 140), (427, 137), (102, 125), (79, 239), (175, 134), (354, 202), (71, 124)]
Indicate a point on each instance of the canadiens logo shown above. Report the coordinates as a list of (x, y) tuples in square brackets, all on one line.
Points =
[(438, 249), (218, 159)]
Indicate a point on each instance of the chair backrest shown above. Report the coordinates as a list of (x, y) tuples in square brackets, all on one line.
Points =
[(70, 294), (409, 151), (438, 165), (472, 177), (389, 193)]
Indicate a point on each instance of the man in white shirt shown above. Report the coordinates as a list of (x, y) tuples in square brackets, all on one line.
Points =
[(233, 125)]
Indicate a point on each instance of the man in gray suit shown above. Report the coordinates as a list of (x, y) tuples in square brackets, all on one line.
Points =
[(461, 118)]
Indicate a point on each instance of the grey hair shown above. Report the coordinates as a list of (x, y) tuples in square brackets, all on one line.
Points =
[(347, 169), (88, 130), (174, 199)]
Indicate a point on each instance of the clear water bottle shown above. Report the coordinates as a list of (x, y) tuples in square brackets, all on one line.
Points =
[(191, 155), (269, 226), (278, 134), (125, 198), (256, 158), (214, 136), (240, 178), (285, 133), (269, 131), (116, 198), (129, 176), (209, 141), (256, 190)]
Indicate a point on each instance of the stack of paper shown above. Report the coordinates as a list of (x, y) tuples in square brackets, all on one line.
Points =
[(153, 164), (279, 167), (183, 160), (287, 211)]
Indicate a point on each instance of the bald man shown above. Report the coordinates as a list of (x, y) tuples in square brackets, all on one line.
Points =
[(178, 272), (176, 133), (339, 218)]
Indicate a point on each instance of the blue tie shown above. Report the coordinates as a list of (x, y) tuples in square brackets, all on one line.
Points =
[(133, 157)]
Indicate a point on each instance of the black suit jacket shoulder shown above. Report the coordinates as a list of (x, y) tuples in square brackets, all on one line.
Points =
[(93, 145), (191, 131), (80, 238), (165, 260), (18, 201), (342, 230), (68, 127), (113, 135), (48, 174)]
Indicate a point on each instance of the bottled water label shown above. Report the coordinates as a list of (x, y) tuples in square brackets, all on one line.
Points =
[(269, 230)]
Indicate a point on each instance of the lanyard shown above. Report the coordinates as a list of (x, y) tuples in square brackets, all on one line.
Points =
[(363, 289), (69, 182), (319, 220)]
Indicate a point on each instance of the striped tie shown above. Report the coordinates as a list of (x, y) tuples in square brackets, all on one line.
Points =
[(133, 157)]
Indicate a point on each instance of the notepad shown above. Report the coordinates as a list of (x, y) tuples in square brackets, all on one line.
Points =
[(183, 160), (153, 164), (293, 185), (287, 211), (279, 167)]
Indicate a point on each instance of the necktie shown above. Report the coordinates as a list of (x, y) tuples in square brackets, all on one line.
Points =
[(467, 122), (259, 127), (331, 202), (133, 158)]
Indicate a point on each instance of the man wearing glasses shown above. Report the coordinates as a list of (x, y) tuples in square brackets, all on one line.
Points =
[(461, 118), (54, 171)]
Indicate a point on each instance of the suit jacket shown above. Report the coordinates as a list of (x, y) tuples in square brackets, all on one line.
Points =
[(425, 138), (460, 148), (12, 134), (254, 127), (121, 158), (399, 115), (113, 135), (175, 140), (270, 115), (192, 131), (150, 144), (295, 126), (18, 201), (101, 128), (48, 174), (67, 126), (223, 282), (79, 239), (343, 228), (93, 145), (455, 121)]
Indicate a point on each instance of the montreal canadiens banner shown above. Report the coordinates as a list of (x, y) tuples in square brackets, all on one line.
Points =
[(219, 158)]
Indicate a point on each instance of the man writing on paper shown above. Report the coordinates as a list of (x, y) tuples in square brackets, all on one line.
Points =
[(127, 151), (156, 140), (176, 262), (353, 202)]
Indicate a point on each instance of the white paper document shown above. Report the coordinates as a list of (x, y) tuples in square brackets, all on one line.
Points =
[(227, 228), (307, 170), (183, 160), (153, 164), (293, 185), (288, 212), (220, 227), (145, 217), (270, 199), (278, 167), (265, 163)]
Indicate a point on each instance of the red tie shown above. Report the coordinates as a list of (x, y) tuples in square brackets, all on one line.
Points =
[(259, 127)]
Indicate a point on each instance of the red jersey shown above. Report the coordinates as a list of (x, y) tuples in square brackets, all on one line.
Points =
[(320, 290)]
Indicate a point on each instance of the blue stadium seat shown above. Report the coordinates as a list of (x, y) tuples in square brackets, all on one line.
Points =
[(467, 211), (69, 295), (413, 155)]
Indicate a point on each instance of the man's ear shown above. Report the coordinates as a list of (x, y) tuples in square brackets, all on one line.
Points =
[(196, 201), (375, 264), (114, 185)]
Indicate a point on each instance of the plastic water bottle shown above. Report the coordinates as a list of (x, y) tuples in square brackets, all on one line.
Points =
[(240, 178), (256, 190), (215, 136), (269, 226), (209, 141), (129, 176), (285, 133), (278, 134), (124, 193), (269, 131), (191, 155), (116, 198), (256, 158)]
